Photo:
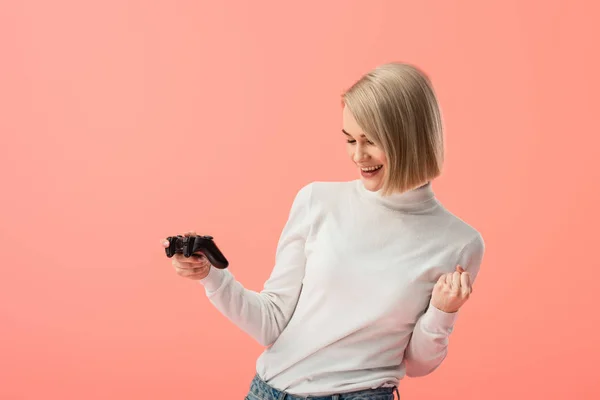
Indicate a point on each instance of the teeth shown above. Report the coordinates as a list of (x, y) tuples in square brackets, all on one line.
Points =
[(371, 168)]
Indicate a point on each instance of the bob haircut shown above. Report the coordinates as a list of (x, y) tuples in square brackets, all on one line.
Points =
[(397, 108)]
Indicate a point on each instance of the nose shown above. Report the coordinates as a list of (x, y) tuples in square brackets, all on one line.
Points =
[(360, 154)]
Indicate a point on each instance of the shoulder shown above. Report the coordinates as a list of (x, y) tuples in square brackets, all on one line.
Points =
[(326, 195), (469, 240), (314, 199), (320, 191)]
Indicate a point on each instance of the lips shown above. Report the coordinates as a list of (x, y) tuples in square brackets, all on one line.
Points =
[(370, 172), (371, 169)]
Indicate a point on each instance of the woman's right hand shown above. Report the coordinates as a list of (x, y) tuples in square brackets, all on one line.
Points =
[(195, 267)]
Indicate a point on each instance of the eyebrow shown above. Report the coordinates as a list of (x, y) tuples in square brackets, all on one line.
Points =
[(347, 134)]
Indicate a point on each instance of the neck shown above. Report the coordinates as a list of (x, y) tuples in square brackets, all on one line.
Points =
[(413, 200)]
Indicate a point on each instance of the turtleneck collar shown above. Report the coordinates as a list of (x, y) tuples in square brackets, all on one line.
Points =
[(418, 199)]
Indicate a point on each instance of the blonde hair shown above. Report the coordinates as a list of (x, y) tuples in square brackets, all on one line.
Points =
[(397, 108)]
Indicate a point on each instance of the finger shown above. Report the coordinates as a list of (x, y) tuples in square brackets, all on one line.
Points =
[(448, 279), (183, 265), (191, 262), (185, 272), (194, 259), (465, 284), (164, 242), (192, 271), (187, 268), (455, 281), (460, 269), (190, 233)]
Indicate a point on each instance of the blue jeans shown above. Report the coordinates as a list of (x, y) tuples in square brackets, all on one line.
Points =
[(260, 390)]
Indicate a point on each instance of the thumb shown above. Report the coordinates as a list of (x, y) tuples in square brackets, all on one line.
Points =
[(441, 280)]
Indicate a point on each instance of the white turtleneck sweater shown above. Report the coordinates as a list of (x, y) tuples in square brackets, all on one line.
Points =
[(347, 305)]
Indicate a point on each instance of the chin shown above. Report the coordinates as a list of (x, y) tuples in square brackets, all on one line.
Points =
[(371, 185)]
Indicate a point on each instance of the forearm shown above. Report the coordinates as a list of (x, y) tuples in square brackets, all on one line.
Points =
[(262, 315), (428, 345)]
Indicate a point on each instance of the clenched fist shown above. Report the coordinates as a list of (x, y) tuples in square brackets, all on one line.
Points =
[(195, 267), (452, 290)]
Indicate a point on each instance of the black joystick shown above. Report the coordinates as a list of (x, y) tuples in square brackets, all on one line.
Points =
[(188, 245)]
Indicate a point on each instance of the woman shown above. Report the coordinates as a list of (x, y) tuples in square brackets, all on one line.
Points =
[(369, 273)]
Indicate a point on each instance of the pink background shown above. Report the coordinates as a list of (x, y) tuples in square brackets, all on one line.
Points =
[(124, 122)]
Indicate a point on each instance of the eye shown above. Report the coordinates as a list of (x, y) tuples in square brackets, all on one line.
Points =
[(351, 141)]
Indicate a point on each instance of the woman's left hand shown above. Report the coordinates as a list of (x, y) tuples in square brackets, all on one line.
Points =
[(452, 290)]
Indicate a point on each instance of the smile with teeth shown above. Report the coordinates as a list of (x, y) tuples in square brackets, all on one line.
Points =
[(371, 169)]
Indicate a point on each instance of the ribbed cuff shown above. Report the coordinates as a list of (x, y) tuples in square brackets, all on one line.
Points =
[(213, 280), (436, 320)]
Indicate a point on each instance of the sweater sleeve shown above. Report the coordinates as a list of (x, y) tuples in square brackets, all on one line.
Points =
[(428, 345), (264, 315)]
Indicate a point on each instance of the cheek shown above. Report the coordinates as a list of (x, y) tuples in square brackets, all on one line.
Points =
[(381, 157)]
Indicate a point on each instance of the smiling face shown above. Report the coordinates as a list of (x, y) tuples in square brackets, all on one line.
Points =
[(369, 159)]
